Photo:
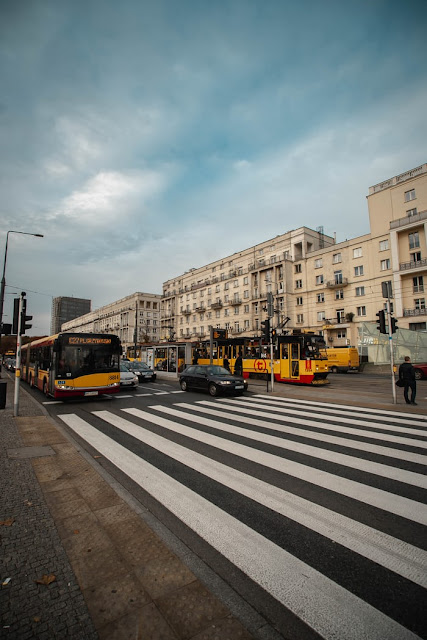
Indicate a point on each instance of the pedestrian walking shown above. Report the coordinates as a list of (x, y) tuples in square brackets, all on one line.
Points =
[(226, 363), (238, 365), (407, 375)]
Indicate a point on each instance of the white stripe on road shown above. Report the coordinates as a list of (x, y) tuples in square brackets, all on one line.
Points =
[(392, 416), (376, 468), (326, 607), (384, 500), (400, 557), (211, 408)]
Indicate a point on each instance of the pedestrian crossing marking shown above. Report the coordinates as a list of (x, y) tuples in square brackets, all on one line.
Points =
[(396, 555), (326, 607)]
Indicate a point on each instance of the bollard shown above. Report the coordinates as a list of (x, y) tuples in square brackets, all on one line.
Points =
[(3, 387)]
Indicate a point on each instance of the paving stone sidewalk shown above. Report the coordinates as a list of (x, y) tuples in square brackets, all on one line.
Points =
[(102, 572)]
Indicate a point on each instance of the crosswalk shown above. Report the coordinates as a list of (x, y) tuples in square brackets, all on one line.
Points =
[(320, 507)]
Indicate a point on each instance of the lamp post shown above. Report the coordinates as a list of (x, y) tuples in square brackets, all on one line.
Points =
[(3, 280)]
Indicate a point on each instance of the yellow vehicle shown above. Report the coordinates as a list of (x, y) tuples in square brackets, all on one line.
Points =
[(342, 359)]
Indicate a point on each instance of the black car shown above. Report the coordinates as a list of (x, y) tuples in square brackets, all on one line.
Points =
[(142, 370), (212, 378)]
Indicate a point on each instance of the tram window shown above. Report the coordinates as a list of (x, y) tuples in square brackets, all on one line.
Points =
[(295, 351), (285, 353)]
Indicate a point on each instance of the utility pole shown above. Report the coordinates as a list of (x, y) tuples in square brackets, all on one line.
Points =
[(135, 333), (270, 313)]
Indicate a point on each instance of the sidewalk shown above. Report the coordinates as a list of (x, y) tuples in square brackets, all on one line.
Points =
[(104, 572), (109, 573)]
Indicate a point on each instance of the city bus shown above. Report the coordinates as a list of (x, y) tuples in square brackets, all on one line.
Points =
[(298, 357), (69, 365)]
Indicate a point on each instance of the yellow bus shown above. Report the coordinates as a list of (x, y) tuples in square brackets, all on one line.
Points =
[(67, 365)]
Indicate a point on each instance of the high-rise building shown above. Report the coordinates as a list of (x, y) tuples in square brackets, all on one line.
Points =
[(65, 309)]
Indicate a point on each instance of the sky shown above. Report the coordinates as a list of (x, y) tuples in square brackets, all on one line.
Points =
[(144, 138)]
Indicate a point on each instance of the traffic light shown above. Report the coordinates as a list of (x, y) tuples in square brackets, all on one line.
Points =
[(6, 329), (265, 324), (273, 333), (381, 321), (24, 318), (394, 326), (16, 323)]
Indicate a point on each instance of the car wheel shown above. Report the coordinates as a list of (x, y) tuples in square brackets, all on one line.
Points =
[(184, 385), (418, 374), (213, 389), (334, 370)]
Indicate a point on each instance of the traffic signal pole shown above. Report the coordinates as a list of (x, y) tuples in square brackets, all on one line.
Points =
[(18, 358), (390, 341)]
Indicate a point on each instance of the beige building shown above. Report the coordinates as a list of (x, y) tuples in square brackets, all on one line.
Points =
[(316, 283), (135, 318)]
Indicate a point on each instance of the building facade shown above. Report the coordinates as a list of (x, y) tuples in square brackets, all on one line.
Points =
[(135, 319), (317, 284), (65, 309)]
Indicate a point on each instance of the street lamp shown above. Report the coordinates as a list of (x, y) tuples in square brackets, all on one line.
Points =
[(3, 281)]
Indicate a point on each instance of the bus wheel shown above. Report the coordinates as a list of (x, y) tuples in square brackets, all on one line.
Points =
[(30, 382), (334, 370), (45, 387)]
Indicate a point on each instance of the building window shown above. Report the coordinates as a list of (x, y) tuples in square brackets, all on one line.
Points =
[(299, 301), (414, 240), (318, 263), (298, 284), (336, 258), (420, 303), (411, 212), (246, 325), (383, 245), (338, 277), (418, 282), (416, 257), (319, 279), (410, 195), (342, 333), (339, 294), (360, 291), (385, 264), (246, 308), (357, 253), (300, 318), (417, 326), (298, 268), (358, 271), (246, 293), (320, 316), (340, 315), (245, 280), (361, 311), (320, 297)]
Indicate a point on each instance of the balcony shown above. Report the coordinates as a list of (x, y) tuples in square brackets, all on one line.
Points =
[(337, 284), (200, 309), (408, 220), (216, 305), (414, 312), (405, 266), (235, 301), (186, 312)]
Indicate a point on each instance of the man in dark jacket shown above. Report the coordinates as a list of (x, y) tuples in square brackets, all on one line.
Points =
[(238, 365), (407, 374)]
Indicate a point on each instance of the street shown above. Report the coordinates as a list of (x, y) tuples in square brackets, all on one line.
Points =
[(314, 513)]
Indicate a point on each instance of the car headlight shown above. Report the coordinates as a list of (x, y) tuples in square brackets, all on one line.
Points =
[(225, 382)]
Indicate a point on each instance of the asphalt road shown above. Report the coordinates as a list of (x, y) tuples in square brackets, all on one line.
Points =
[(314, 513)]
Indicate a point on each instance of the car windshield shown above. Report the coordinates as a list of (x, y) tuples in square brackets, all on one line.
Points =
[(216, 370), (124, 367), (137, 366)]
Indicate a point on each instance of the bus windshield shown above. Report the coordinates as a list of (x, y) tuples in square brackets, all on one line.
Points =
[(85, 360)]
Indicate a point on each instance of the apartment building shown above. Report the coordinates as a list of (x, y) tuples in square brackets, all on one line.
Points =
[(317, 284), (135, 319)]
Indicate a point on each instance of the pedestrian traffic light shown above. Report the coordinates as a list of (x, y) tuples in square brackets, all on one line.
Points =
[(394, 326), (24, 318), (381, 321), (265, 324), (15, 324)]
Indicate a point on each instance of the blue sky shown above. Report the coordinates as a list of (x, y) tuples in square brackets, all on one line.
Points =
[(145, 138)]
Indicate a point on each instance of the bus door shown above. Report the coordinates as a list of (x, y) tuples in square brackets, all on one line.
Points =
[(295, 358)]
